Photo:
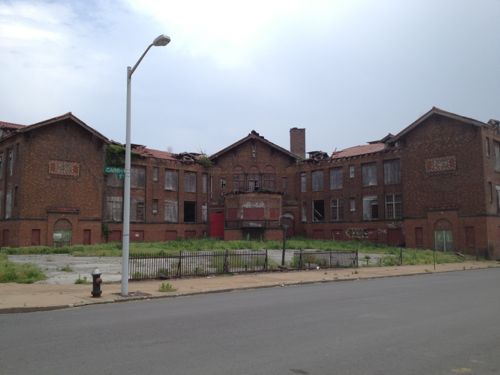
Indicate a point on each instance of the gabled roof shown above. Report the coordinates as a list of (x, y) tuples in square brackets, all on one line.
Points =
[(254, 136), (10, 125), (436, 112), (66, 116), (358, 150)]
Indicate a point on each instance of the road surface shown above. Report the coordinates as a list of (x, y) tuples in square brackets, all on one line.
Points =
[(429, 324)]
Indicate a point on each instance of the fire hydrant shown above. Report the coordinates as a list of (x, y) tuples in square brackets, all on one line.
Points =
[(96, 283)]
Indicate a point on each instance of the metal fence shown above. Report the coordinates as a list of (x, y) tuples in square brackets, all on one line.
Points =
[(204, 263)]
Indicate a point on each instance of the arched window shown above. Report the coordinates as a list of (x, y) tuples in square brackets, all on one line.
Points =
[(62, 233)]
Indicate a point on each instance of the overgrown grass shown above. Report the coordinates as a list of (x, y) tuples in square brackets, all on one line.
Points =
[(19, 273), (410, 256)]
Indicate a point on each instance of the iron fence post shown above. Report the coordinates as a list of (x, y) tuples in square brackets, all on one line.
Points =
[(225, 267), (179, 265), (265, 262)]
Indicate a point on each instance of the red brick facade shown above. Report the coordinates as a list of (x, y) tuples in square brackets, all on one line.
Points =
[(434, 184)]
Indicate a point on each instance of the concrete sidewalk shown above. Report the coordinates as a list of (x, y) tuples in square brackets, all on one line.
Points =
[(37, 297)]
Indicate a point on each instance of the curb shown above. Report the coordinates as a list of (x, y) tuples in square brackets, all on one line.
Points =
[(13, 310)]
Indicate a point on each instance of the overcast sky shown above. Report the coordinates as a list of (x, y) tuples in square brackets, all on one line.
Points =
[(349, 71)]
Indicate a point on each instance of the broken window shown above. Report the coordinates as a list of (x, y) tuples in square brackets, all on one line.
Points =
[(497, 156), (369, 172), (318, 211), (351, 171), (336, 177), (253, 179), (336, 210), (352, 204), (204, 183), (303, 212), (189, 212), (171, 211), (303, 182), (238, 179), (223, 184), (137, 209), (156, 174), (154, 208), (393, 206), (114, 179), (370, 207), (317, 181), (392, 172), (114, 209), (138, 177), (204, 213), (10, 157), (171, 180), (190, 182), (268, 178)]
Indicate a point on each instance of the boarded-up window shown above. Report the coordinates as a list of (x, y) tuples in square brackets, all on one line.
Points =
[(370, 207), (155, 208), (138, 177), (303, 212), (337, 210), (317, 181), (253, 213), (393, 206), (114, 209), (137, 209), (171, 180), (392, 174), (487, 146), (156, 174), (171, 211), (318, 211), (336, 177), (303, 182), (231, 213), (190, 182), (369, 172)]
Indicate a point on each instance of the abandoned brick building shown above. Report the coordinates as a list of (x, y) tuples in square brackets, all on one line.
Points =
[(435, 184)]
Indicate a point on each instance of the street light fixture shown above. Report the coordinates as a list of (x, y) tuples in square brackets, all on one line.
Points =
[(160, 41)]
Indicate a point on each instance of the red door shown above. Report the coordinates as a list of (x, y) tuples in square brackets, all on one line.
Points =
[(87, 237), (217, 224)]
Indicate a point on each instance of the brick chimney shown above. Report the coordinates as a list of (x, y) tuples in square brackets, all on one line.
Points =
[(298, 142)]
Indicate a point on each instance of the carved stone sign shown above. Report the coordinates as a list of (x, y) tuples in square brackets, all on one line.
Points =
[(64, 168), (440, 165)]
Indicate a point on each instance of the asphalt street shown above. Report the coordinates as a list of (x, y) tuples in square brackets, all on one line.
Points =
[(428, 324)]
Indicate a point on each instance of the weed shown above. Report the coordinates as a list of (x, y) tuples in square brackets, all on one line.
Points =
[(166, 287), (82, 280), (19, 273), (66, 268)]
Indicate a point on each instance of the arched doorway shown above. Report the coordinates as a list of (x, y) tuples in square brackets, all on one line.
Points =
[(63, 233), (443, 236)]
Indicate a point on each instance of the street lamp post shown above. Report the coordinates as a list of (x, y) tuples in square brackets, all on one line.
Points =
[(161, 40)]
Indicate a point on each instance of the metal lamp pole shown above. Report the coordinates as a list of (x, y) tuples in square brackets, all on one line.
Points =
[(160, 41)]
